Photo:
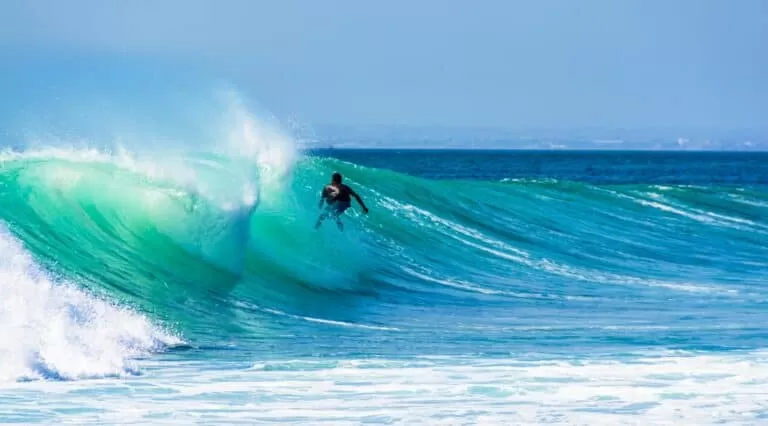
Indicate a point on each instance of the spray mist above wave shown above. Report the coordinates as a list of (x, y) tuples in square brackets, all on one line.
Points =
[(233, 158), (156, 117), (160, 120), (202, 196), (258, 141)]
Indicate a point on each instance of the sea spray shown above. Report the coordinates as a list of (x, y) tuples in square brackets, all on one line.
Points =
[(54, 330)]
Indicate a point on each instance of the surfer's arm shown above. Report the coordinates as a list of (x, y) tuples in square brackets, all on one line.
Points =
[(359, 200), (323, 196)]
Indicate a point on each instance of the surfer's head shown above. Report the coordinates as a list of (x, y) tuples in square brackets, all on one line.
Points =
[(336, 178)]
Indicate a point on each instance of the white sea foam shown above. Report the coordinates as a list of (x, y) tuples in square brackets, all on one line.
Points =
[(475, 239), (53, 330), (329, 322), (706, 217), (641, 390), (747, 201)]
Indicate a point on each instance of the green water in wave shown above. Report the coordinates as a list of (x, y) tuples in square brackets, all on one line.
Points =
[(200, 245), (182, 247)]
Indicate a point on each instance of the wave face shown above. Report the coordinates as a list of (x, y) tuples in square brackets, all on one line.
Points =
[(518, 282), (528, 260)]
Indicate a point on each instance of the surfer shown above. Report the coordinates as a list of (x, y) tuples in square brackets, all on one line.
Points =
[(338, 197)]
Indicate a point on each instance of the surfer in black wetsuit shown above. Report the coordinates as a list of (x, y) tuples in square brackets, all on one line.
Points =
[(338, 198)]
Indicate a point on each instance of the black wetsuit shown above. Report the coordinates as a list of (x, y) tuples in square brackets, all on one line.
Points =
[(342, 201)]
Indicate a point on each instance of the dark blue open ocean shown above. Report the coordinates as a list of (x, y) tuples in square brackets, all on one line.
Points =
[(486, 287)]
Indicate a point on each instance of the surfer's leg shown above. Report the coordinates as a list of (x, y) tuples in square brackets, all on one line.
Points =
[(320, 220), (340, 208)]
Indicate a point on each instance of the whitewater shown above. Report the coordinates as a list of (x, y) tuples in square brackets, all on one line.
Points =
[(177, 283)]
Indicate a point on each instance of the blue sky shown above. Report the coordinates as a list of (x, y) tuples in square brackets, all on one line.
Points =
[(677, 64)]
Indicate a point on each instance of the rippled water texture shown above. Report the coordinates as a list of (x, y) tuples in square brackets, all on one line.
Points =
[(482, 288)]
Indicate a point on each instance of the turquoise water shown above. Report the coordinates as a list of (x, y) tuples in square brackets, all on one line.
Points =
[(176, 277), (483, 287)]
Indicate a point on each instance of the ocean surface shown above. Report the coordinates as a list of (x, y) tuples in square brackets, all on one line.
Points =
[(485, 287)]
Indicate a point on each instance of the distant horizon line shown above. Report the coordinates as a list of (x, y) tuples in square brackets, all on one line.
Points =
[(386, 136), (520, 131), (423, 148)]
